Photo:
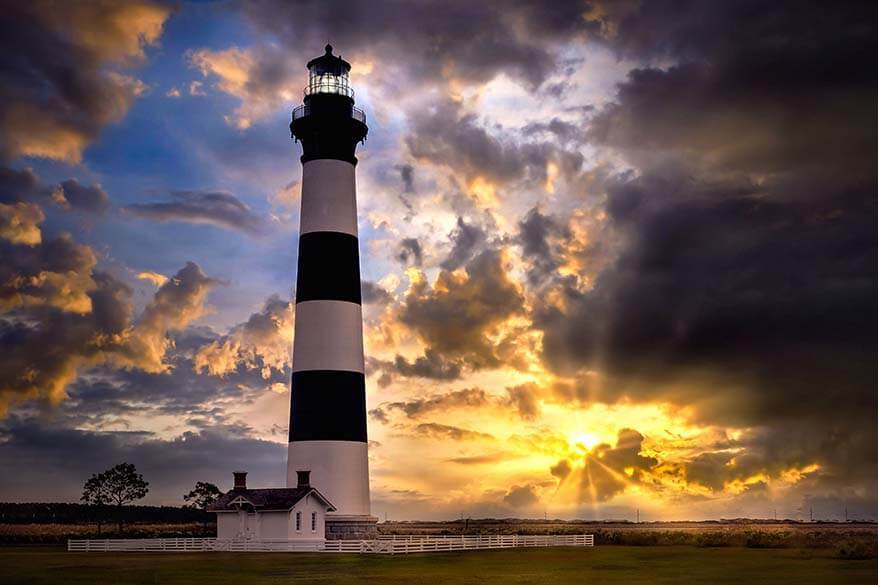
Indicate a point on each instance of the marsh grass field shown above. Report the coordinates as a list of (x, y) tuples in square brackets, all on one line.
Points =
[(685, 552), (600, 565)]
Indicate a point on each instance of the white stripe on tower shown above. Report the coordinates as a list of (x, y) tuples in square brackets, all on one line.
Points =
[(343, 469), (329, 336), (329, 197)]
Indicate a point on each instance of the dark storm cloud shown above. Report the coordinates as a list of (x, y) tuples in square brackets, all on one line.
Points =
[(409, 252), (407, 175), (86, 198), (556, 128), (456, 315), (220, 209), (535, 234), (524, 398), (524, 496), (60, 71), (374, 294), (74, 317), (449, 432), (24, 186), (466, 239), (431, 40), (561, 470), (446, 136), (746, 286), (608, 470), (45, 462), (430, 365), (466, 398), (20, 185)]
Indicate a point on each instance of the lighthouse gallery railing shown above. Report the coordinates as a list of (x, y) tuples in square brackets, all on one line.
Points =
[(304, 110)]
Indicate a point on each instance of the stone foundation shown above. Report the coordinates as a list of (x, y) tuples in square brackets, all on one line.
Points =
[(351, 527)]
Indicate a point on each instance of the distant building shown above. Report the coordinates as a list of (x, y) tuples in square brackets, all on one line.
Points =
[(297, 513)]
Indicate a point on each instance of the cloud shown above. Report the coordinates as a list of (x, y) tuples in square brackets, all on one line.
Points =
[(409, 252), (36, 272), (262, 343), (407, 175), (60, 315), (609, 470), (466, 398), (64, 67), (466, 239), (443, 135), (478, 459), (74, 195), (20, 223), (525, 398), (741, 285), (519, 497), (201, 207), (262, 77), (21, 186), (431, 365), (175, 304), (537, 234), (460, 312), (171, 465), (153, 277), (561, 470), (433, 41), (440, 431), (374, 294)]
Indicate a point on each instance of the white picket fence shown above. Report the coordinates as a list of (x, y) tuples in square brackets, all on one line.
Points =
[(398, 544)]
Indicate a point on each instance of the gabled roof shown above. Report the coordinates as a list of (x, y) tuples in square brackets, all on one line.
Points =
[(265, 499)]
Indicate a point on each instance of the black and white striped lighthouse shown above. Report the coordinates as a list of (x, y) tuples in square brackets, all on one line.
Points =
[(328, 401)]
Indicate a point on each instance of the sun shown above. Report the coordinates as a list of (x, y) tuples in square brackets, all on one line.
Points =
[(587, 440)]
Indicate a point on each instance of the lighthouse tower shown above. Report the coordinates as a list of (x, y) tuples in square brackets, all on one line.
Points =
[(328, 398)]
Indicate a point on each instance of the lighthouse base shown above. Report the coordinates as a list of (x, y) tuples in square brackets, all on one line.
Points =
[(349, 527)]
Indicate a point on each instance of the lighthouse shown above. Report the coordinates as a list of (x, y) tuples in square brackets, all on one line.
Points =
[(328, 392)]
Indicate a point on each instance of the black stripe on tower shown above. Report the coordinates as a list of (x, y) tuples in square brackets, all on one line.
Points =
[(328, 405), (329, 268)]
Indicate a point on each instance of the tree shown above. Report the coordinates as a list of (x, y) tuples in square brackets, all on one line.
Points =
[(94, 493), (123, 485), (202, 496)]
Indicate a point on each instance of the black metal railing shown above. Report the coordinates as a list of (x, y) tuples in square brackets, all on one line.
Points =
[(305, 110)]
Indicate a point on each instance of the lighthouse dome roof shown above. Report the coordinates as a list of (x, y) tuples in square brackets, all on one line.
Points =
[(328, 63)]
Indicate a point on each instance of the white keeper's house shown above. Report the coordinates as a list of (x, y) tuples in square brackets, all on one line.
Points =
[(297, 513)]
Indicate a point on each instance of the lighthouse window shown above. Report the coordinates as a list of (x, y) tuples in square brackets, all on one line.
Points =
[(313, 521), (298, 521)]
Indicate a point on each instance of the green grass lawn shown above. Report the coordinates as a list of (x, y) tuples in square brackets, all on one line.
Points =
[(608, 564)]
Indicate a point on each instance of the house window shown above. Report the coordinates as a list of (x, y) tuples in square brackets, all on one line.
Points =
[(298, 521), (313, 521)]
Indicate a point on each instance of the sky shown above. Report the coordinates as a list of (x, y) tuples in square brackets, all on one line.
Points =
[(616, 255)]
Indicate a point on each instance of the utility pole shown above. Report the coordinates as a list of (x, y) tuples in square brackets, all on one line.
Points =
[(638, 516), (812, 513)]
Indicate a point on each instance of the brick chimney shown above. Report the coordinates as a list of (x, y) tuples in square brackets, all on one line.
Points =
[(304, 479), (240, 480)]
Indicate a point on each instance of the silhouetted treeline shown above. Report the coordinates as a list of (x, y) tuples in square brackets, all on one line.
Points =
[(62, 513)]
